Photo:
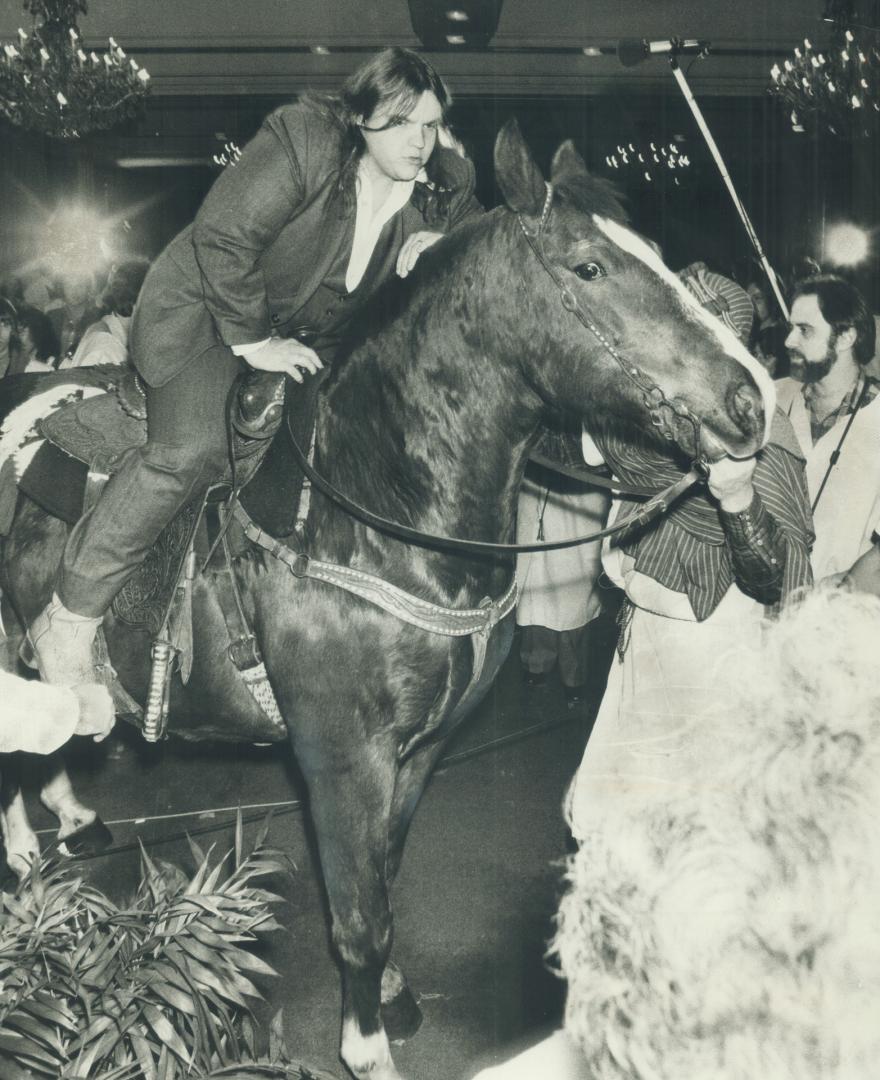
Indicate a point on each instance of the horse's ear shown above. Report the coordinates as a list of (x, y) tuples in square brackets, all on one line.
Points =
[(519, 178), (566, 161)]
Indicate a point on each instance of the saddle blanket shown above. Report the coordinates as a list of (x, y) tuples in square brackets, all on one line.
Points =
[(21, 438), (48, 445)]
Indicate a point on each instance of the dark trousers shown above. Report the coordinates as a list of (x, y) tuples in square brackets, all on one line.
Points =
[(184, 454)]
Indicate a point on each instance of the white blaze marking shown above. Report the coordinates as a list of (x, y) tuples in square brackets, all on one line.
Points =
[(629, 241), (367, 1056)]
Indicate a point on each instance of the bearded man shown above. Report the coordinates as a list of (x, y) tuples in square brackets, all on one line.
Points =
[(835, 412)]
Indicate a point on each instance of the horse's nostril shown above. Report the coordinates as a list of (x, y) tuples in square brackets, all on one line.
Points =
[(745, 402), (747, 406)]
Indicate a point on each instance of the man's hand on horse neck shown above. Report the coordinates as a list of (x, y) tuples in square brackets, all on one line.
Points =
[(730, 481), (287, 355), (413, 247)]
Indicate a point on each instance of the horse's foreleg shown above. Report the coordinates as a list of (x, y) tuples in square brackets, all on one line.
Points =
[(351, 807), (22, 845), (400, 1011), (80, 830), (411, 781), (59, 799)]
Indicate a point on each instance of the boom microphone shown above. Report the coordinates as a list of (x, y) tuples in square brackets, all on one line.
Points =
[(632, 51)]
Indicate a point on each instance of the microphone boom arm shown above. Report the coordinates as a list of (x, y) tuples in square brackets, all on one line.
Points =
[(725, 176)]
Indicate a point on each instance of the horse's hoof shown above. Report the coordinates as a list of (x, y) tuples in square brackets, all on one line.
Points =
[(90, 839), (401, 1016)]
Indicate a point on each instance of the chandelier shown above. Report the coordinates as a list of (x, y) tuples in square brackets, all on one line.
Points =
[(653, 163), (50, 84), (835, 89)]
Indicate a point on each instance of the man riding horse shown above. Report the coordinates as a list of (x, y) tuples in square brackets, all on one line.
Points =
[(329, 198), (376, 647)]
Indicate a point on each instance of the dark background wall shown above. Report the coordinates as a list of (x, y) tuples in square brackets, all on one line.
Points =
[(792, 184)]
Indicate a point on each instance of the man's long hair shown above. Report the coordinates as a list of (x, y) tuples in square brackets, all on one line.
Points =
[(393, 78)]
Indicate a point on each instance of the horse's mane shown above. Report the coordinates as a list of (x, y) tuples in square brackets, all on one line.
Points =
[(591, 194), (587, 193)]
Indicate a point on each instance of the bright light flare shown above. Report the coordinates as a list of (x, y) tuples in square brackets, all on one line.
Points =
[(79, 240), (72, 241), (846, 245)]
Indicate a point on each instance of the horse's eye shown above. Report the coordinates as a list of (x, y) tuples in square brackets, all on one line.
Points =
[(589, 271)]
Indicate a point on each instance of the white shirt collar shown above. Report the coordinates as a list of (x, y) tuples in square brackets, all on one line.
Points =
[(368, 225), (398, 196)]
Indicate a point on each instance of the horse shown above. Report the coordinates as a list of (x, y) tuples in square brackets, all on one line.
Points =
[(548, 303)]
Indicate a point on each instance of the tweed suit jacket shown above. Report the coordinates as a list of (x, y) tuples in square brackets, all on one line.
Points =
[(265, 238)]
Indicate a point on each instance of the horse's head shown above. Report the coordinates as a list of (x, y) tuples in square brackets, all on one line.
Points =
[(635, 344)]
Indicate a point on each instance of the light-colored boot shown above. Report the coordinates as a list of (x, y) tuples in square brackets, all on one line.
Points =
[(60, 645)]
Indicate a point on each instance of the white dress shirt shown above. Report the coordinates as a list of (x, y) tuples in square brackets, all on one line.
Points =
[(848, 511)]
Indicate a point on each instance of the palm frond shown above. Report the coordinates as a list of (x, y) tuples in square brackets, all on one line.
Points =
[(158, 988)]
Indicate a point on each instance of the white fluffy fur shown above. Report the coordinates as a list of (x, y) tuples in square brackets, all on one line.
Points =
[(19, 438), (735, 934)]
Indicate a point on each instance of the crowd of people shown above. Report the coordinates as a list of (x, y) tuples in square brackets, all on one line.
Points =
[(744, 661), (719, 917), (724, 926), (90, 314), (698, 587), (73, 321)]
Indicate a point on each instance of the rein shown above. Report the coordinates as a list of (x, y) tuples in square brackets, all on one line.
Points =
[(658, 504), (586, 475)]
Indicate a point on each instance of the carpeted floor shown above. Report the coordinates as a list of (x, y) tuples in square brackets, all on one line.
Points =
[(479, 884)]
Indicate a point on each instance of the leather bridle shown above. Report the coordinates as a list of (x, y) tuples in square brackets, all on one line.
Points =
[(661, 409)]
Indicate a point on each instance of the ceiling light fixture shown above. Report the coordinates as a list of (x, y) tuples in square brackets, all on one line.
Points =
[(168, 162), (835, 89), (470, 23), (845, 244), (50, 84)]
